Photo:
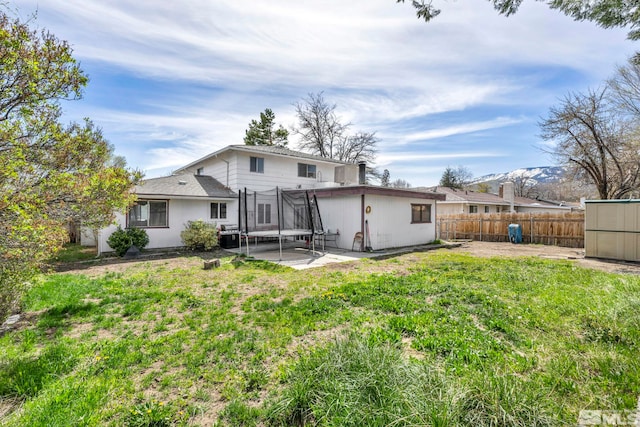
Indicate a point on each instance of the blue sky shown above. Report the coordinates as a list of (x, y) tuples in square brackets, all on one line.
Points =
[(173, 81)]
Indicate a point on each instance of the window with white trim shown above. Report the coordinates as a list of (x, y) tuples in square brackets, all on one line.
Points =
[(264, 213), (306, 171), (256, 164), (149, 214), (218, 210), (473, 209)]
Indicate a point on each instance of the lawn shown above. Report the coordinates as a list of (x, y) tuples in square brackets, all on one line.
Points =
[(439, 338)]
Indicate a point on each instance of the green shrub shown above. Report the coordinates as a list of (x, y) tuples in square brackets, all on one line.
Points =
[(199, 235), (121, 240)]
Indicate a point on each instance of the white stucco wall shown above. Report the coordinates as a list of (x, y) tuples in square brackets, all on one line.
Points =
[(179, 212), (341, 214), (389, 220)]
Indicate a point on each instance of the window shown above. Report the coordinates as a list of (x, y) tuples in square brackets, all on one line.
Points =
[(256, 164), (498, 209), (306, 171), (486, 209), (473, 209), (264, 213), (420, 214), (149, 213), (200, 171), (218, 210)]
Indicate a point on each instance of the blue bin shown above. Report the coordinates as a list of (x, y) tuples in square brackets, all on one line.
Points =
[(515, 233)]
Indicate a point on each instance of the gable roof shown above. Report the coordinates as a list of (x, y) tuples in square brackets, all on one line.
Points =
[(468, 196), (184, 186), (264, 149)]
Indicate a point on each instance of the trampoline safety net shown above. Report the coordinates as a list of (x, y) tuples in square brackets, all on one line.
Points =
[(279, 211)]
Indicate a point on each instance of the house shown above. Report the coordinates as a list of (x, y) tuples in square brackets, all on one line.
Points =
[(164, 206), (469, 202), (210, 189)]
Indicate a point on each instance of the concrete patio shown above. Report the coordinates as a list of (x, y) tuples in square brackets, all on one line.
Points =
[(300, 257)]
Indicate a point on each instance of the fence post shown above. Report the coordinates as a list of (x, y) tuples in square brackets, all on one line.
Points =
[(531, 225), (481, 229)]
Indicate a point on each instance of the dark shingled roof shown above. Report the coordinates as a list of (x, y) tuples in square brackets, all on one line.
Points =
[(184, 185)]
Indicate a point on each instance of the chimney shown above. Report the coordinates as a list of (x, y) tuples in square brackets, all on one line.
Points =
[(362, 173), (507, 192)]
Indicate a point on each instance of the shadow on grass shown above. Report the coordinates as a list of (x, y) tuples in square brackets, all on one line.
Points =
[(25, 377), (147, 255)]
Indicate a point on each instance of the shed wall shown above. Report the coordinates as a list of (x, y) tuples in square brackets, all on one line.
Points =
[(612, 229)]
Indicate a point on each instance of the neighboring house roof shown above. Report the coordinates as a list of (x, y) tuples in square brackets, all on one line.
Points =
[(185, 186), (264, 149), (468, 196)]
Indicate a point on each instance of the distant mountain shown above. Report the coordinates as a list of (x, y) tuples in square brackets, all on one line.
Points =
[(542, 174), (537, 175)]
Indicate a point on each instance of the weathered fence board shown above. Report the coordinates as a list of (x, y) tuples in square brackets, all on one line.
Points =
[(558, 229)]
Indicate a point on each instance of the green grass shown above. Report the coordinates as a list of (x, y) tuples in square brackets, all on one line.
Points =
[(437, 339), (73, 252)]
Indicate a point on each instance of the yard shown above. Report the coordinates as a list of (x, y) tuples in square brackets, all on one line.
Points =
[(442, 338)]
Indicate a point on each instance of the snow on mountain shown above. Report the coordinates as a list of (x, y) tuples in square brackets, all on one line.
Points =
[(542, 174)]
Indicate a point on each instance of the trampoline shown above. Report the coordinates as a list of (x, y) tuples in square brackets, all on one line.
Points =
[(279, 214)]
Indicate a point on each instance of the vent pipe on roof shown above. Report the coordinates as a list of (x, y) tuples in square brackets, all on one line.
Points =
[(362, 173)]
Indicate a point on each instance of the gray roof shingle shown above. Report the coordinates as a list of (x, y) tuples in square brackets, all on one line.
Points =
[(184, 185)]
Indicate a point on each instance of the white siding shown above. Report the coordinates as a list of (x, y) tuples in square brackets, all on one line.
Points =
[(341, 214), (279, 171), (179, 211), (389, 220)]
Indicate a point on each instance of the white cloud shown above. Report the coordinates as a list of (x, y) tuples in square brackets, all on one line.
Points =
[(386, 70)]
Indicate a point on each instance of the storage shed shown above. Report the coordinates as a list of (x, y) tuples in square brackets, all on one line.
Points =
[(612, 229)]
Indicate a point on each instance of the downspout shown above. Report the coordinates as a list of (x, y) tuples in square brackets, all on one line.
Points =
[(362, 222), (227, 185), (435, 219)]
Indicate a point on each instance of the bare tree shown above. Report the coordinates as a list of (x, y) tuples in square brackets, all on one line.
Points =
[(625, 88), (525, 186), (319, 127), (322, 133), (360, 147), (400, 183), (595, 142)]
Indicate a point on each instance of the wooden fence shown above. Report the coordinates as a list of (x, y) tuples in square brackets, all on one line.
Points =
[(563, 229)]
